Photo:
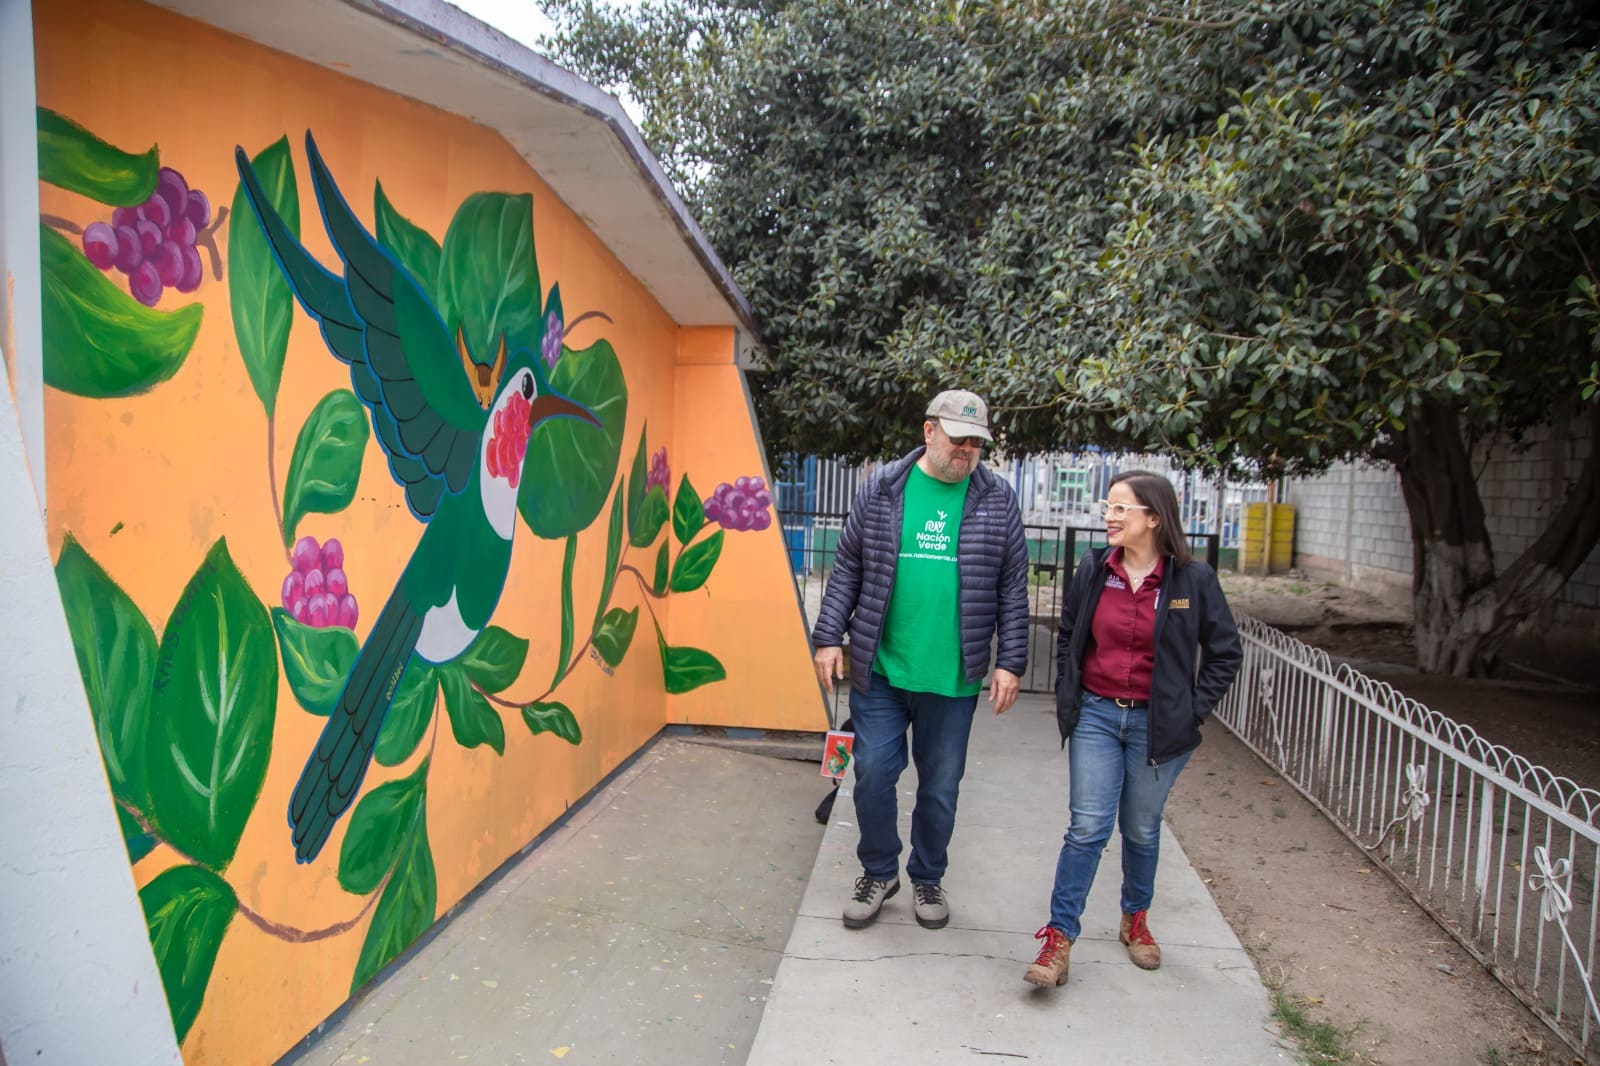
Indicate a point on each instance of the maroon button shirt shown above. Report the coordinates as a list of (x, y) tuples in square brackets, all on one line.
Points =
[(1122, 653)]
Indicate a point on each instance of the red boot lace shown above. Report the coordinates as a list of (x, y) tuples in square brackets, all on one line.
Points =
[(1138, 931), (1054, 940)]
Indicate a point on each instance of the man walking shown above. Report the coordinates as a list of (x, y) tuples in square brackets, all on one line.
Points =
[(931, 564)]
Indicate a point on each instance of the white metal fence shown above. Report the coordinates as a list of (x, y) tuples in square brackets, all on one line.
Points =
[(1503, 854)]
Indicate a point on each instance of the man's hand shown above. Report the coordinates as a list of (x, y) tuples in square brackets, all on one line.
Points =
[(1002, 689), (830, 665)]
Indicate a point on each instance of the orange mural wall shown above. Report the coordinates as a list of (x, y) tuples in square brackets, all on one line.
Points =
[(168, 502)]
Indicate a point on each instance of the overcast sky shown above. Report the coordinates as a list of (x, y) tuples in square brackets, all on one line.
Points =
[(524, 21), (519, 19)]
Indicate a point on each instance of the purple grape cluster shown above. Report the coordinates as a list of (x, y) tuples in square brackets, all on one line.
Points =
[(660, 474), (316, 591), (742, 505), (153, 244), (550, 345)]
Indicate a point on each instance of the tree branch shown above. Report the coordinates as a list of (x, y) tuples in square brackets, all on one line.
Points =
[(1570, 534)]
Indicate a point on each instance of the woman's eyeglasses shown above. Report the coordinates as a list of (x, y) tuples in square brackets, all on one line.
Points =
[(1108, 509)]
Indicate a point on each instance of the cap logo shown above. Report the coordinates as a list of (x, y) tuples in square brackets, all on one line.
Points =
[(971, 410)]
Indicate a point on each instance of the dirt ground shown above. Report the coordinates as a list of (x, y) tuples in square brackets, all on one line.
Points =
[(1329, 930)]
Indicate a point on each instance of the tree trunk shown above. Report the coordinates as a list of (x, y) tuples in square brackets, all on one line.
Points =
[(1464, 611)]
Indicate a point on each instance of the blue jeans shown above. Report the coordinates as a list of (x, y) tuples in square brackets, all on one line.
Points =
[(1111, 780), (940, 726)]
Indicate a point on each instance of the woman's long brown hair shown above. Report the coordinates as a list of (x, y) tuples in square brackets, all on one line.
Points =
[(1156, 493)]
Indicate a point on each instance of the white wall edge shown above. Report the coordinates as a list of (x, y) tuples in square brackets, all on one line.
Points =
[(20, 333), (78, 979)]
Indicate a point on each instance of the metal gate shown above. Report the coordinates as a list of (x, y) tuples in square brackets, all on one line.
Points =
[(1053, 554), (812, 538)]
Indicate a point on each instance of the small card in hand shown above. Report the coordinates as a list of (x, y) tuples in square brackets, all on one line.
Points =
[(836, 753)]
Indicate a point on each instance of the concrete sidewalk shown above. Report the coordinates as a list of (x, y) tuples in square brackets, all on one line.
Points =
[(645, 929), (649, 928), (897, 993)]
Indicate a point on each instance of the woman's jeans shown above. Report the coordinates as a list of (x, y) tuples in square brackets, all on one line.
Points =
[(1111, 780), (939, 728)]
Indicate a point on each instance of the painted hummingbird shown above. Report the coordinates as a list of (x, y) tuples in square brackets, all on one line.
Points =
[(456, 434)]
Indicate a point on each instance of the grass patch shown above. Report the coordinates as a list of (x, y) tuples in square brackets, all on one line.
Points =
[(1320, 1043)]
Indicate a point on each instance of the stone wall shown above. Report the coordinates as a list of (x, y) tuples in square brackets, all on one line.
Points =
[(1351, 527), (1351, 523)]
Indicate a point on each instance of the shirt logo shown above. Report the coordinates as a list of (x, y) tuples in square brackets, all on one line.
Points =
[(932, 540), (1115, 582), (1180, 604)]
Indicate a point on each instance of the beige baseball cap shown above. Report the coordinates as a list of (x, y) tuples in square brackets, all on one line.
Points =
[(961, 414)]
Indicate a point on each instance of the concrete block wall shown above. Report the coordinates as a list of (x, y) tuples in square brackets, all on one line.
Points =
[(1351, 526), (1351, 522), (1522, 487)]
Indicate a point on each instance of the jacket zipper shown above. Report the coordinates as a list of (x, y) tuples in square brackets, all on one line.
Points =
[(1167, 576)]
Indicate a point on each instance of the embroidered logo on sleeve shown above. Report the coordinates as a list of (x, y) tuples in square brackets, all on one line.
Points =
[(1180, 604)]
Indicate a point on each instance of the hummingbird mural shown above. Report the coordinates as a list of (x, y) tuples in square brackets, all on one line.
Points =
[(455, 431)]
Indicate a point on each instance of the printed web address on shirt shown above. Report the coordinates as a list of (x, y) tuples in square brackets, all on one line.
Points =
[(926, 555)]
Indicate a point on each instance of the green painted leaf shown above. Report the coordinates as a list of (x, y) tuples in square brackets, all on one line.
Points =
[(76, 160), (615, 633), (652, 516), (688, 514), (382, 823), (212, 705), (686, 669), (647, 505), (327, 460), (568, 623), (407, 721), (608, 580), (258, 293), (571, 464), (488, 277), (116, 651), (316, 662), (412, 245), (495, 659), (472, 719), (552, 718), (638, 475), (138, 842), (696, 562), (100, 342), (405, 910), (187, 910), (658, 584)]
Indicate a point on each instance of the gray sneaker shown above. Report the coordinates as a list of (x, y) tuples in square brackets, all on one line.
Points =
[(867, 901), (932, 909)]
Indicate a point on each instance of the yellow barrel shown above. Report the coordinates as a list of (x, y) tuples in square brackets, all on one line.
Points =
[(1253, 540)]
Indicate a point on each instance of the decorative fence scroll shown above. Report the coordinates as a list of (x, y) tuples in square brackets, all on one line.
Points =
[(1505, 855)]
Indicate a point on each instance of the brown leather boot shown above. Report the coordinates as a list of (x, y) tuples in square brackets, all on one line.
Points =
[(1142, 947), (1050, 968)]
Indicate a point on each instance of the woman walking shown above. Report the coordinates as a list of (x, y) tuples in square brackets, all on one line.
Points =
[(1139, 617)]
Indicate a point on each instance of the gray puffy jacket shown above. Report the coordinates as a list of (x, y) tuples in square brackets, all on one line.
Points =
[(991, 561)]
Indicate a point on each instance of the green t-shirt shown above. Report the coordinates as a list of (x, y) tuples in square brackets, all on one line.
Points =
[(920, 649)]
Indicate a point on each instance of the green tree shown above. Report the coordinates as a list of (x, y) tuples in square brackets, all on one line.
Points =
[(1260, 236)]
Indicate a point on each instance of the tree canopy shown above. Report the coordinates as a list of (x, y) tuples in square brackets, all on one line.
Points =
[(1260, 236)]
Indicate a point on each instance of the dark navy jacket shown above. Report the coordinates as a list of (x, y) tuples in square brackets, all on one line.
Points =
[(991, 561), (1192, 621)]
